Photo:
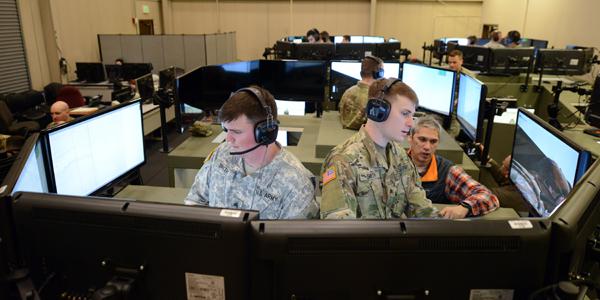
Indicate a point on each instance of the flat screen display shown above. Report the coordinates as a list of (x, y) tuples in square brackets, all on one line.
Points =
[(434, 86), (471, 94), (32, 177)]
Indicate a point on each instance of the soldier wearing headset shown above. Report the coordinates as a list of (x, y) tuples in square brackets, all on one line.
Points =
[(370, 176), (354, 100), (250, 170)]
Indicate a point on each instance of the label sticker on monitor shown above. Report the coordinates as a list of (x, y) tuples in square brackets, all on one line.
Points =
[(573, 62), (491, 294), (2, 189), (230, 213), (520, 224), (200, 286)]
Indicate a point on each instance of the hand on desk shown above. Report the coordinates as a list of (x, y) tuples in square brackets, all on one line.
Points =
[(454, 212)]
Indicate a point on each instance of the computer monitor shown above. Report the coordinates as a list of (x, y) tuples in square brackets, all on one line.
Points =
[(388, 51), (167, 77), (535, 43), (92, 152), (314, 51), (482, 41), (592, 115), (131, 71), (460, 41), (90, 72), (295, 80), (398, 259), (434, 87), (545, 165), (344, 74), (145, 87), (74, 246), (354, 50), (564, 61), (475, 57), (511, 60), (208, 87), (295, 39), (470, 107), (28, 171), (367, 39), (284, 49), (113, 73)]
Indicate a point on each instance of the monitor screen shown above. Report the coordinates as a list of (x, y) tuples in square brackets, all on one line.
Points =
[(475, 57), (294, 80), (113, 73), (284, 49), (511, 60), (564, 61), (388, 51), (74, 246), (470, 107), (354, 51), (209, 87), (290, 108), (145, 87), (344, 74), (314, 51), (131, 71), (460, 41), (545, 165), (91, 152), (372, 39), (90, 72), (28, 171), (167, 77), (354, 259), (434, 86)]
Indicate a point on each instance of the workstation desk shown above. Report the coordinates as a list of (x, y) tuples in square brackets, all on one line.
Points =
[(319, 136)]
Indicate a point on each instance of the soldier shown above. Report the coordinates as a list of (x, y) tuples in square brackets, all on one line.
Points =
[(354, 99), (370, 175), (250, 170), (443, 181)]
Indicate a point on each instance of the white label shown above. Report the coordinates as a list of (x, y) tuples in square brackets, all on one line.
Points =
[(520, 224), (2, 189), (230, 213), (491, 295), (200, 286), (574, 62)]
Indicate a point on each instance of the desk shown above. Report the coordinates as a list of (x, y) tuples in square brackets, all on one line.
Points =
[(177, 195), (152, 116)]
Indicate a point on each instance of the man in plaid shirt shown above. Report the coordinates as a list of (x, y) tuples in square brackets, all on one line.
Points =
[(443, 181)]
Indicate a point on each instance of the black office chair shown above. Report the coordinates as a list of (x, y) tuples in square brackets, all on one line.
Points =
[(9, 125)]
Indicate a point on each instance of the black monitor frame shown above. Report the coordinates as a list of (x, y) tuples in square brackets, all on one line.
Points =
[(145, 87), (475, 57), (396, 259), (48, 154), (354, 51), (114, 72), (564, 61), (388, 51), (284, 88), (477, 137), (284, 49), (131, 71), (583, 163), (72, 244), (91, 72), (513, 61), (313, 51), (167, 77)]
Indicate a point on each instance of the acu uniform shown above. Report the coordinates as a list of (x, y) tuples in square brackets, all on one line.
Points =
[(361, 182), (283, 189), (353, 104)]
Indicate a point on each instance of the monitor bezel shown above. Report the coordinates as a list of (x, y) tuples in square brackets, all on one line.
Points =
[(481, 110)]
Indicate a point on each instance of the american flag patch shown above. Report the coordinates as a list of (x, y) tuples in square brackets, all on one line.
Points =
[(329, 175)]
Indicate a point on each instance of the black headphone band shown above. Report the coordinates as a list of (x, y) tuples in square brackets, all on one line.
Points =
[(386, 88)]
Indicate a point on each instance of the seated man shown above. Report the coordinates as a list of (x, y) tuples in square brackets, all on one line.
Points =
[(455, 63), (369, 176), (60, 114), (443, 181), (250, 170), (354, 99)]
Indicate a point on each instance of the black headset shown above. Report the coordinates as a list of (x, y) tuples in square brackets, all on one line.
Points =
[(380, 72), (265, 131), (378, 109)]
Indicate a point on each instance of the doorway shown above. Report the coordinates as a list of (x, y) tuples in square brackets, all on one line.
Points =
[(146, 27)]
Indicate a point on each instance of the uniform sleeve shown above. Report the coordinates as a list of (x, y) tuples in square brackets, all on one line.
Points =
[(351, 113), (199, 193), (462, 188), (338, 196), (300, 202), (418, 204)]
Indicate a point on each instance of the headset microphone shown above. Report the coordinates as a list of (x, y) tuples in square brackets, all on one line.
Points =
[(245, 151)]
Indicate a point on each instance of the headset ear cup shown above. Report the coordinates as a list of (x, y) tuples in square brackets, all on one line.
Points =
[(378, 110), (265, 133)]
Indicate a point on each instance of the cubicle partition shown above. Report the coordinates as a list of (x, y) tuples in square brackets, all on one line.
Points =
[(187, 51)]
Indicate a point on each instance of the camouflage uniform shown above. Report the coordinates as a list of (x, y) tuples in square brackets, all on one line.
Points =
[(353, 104), (359, 183), (283, 189)]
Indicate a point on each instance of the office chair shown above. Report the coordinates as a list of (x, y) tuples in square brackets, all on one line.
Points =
[(9, 125)]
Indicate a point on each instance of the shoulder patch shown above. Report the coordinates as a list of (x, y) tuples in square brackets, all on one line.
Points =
[(329, 175)]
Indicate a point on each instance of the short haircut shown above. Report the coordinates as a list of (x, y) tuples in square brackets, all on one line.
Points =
[(514, 36), (496, 35), (472, 39), (455, 52), (398, 88), (346, 37), (426, 121), (315, 34), (245, 103), (325, 36), (369, 65)]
